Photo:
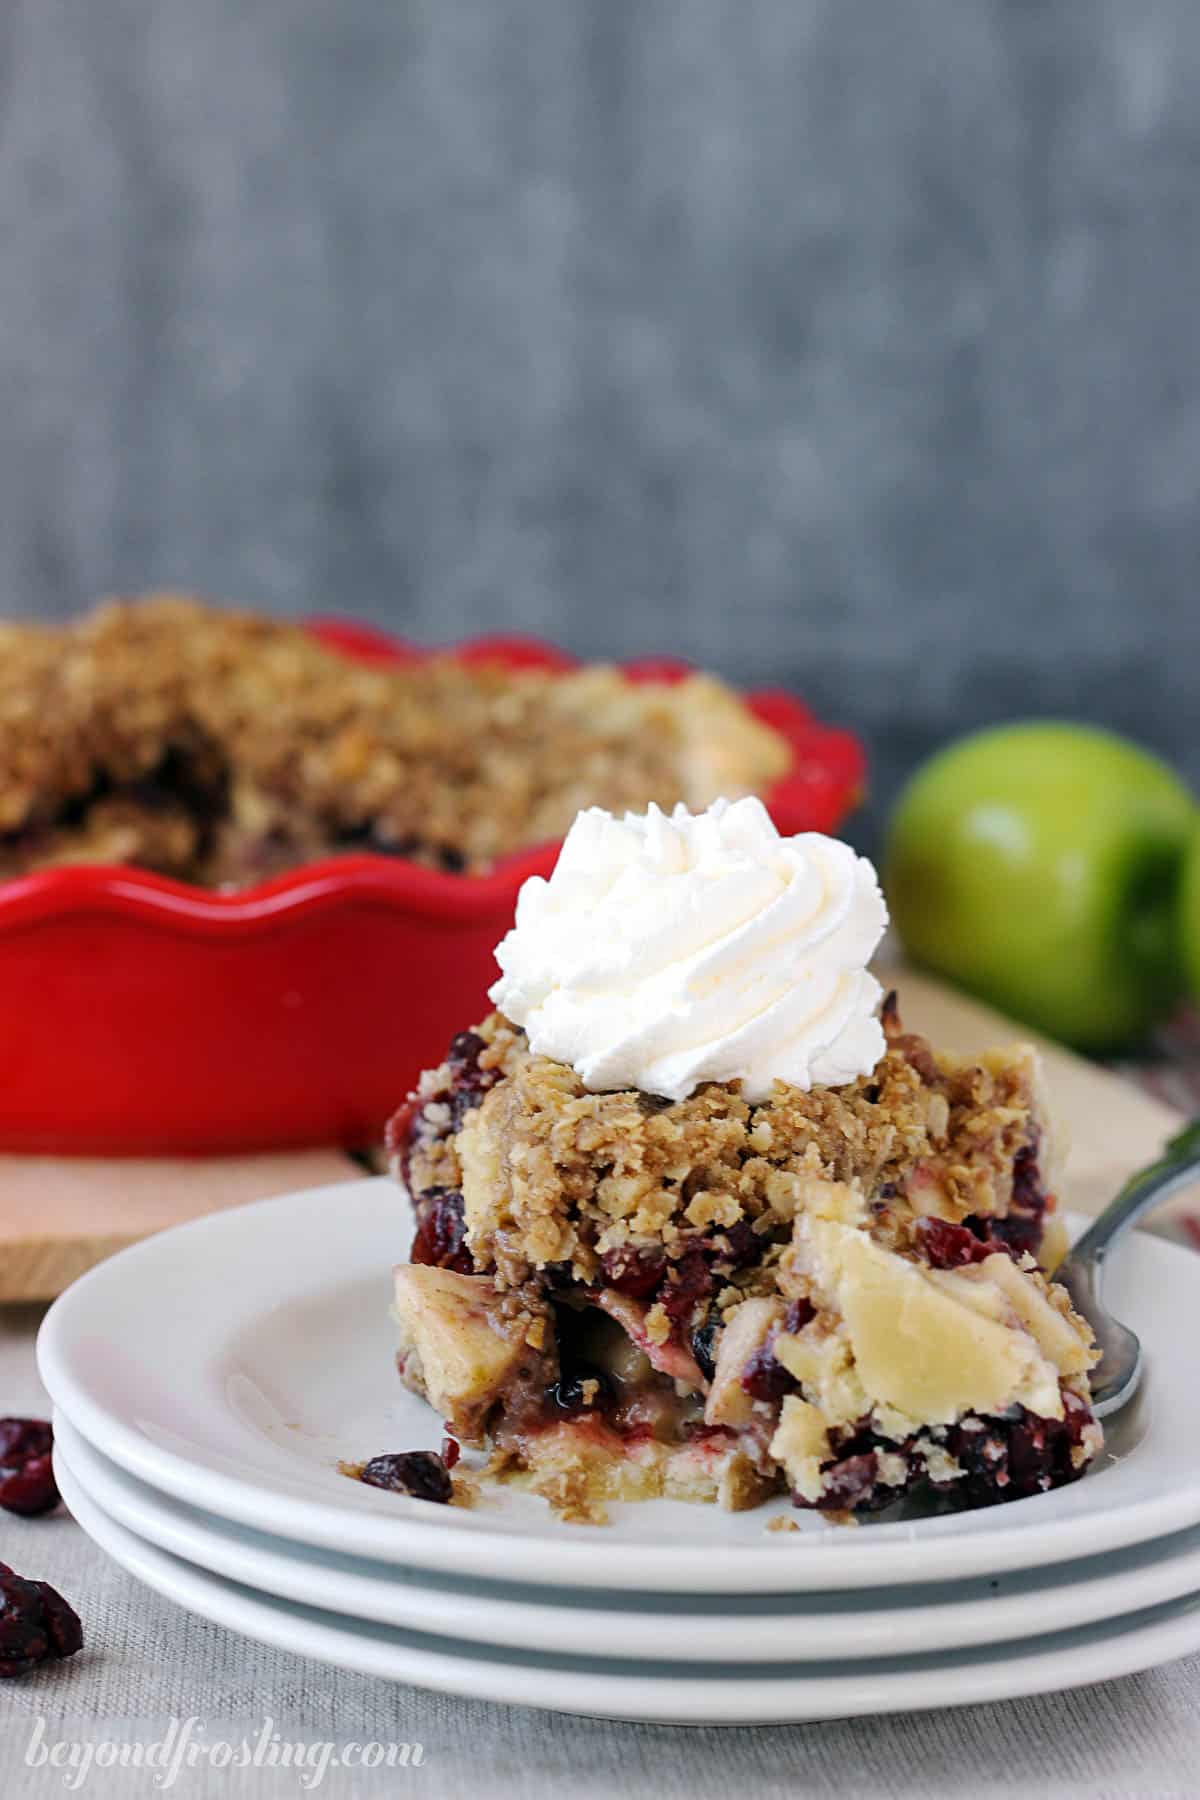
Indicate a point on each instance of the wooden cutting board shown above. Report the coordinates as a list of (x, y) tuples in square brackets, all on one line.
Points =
[(59, 1216)]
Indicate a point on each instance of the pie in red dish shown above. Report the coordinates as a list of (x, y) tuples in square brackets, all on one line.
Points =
[(254, 873)]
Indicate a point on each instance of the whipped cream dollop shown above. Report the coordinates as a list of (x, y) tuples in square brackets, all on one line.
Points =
[(668, 951)]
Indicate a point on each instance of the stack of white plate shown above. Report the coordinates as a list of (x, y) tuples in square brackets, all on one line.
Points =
[(209, 1382)]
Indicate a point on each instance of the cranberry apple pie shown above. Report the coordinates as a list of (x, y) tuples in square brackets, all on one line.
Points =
[(696, 1217), (221, 748)]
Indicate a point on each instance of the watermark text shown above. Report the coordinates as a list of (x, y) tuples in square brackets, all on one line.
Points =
[(186, 1744)]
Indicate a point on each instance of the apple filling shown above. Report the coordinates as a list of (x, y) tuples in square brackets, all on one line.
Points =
[(832, 1293), (576, 1397)]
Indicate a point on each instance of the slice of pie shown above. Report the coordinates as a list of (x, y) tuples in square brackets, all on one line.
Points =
[(838, 1291)]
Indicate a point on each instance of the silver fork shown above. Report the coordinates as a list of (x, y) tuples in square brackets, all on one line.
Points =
[(1115, 1377)]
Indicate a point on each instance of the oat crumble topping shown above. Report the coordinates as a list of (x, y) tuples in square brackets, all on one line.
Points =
[(222, 747)]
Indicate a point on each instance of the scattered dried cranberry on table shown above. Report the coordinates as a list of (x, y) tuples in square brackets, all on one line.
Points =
[(36, 1624), (27, 1484)]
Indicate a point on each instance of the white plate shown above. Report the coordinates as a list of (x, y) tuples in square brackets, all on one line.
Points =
[(743, 1628), (234, 1361), (660, 1691)]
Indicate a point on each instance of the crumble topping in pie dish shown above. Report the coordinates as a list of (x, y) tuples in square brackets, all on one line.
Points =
[(837, 1291), (247, 997), (223, 748)]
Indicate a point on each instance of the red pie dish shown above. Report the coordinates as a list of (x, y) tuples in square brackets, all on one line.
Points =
[(143, 1014)]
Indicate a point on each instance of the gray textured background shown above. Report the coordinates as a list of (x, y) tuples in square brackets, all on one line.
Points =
[(856, 345)]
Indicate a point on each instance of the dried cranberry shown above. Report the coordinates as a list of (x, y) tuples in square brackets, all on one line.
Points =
[(798, 1315), (765, 1378), (1021, 1230), (451, 1451), (567, 1393), (465, 1050), (704, 1343), (418, 1473), (1077, 1416), (468, 1082), (27, 1482), (399, 1133), (441, 1233), (398, 1129), (410, 1126), (558, 1275), (736, 1245), (633, 1272), (23, 1438), (1012, 1457), (947, 1246), (687, 1282), (1026, 1180), (36, 1624), (851, 1483), (1023, 1226), (1016, 1234)]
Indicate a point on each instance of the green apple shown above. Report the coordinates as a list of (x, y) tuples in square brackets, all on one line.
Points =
[(1189, 914), (1038, 865)]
